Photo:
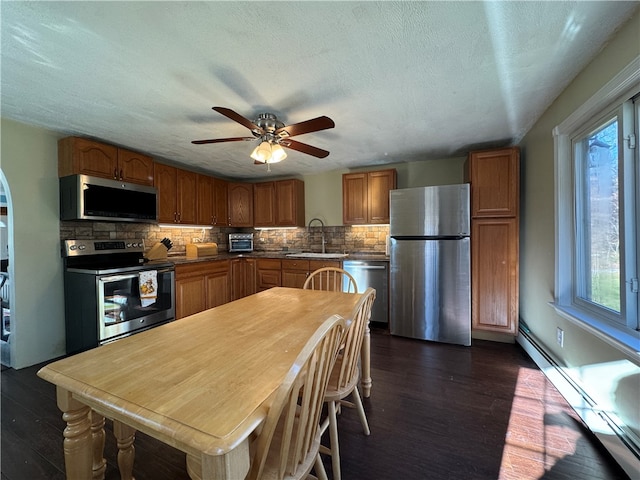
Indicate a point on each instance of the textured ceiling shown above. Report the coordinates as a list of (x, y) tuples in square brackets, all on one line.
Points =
[(403, 81)]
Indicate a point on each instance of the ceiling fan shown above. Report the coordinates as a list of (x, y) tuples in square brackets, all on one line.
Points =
[(273, 135)]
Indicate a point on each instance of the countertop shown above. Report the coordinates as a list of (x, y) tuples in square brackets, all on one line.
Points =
[(178, 259)]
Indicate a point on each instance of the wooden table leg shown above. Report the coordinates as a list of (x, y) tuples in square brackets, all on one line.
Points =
[(125, 436), (97, 434), (366, 363), (77, 443), (231, 466)]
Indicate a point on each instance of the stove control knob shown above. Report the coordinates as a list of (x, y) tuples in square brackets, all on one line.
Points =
[(128, 245), (72, 247), (81, 247)]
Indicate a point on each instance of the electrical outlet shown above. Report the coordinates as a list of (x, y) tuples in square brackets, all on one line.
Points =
[(560, 336)]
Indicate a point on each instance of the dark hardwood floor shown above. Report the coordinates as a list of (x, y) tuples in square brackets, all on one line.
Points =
[(436, 412)]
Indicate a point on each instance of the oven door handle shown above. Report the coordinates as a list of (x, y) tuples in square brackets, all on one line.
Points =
[(124, 276)]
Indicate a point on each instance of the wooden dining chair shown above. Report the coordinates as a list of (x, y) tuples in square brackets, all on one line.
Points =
[(331, 278), (287, 446), (344, 379)]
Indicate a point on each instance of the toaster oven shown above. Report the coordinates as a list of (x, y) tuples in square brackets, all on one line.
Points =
[(241, 242)]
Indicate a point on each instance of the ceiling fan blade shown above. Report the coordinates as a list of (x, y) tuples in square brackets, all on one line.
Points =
[(236, 117), (221, 140), (304, 148), (313, 125)]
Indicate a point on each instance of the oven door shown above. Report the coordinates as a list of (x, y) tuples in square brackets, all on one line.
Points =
[(121, 310)]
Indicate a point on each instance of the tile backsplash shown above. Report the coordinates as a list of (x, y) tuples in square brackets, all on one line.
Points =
[(337, 239)]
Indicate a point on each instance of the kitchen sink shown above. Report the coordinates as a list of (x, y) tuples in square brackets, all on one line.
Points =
[(317, 255)]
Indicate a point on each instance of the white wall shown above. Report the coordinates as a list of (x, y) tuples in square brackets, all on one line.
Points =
[(29, 161)]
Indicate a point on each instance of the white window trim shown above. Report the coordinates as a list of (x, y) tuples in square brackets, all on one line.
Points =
[(617, 90)]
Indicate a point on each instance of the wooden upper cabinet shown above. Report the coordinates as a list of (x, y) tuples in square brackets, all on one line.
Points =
[(165, 183), (264, 204), (289, 203), (134, 167), (187, 200), (279, 203), (379, 185), (205, 197), (240, 203), (494, 177), (82, 156), (365, 196), (354, 198), (220, 202), (176, 194)]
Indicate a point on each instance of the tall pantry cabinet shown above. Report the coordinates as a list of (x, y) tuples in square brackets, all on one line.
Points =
[(495, 179)]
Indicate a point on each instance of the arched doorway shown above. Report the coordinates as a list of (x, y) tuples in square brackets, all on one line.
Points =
[(6, 269)]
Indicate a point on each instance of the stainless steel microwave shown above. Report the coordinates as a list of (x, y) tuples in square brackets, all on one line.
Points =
[(83, 197), (241, 242)]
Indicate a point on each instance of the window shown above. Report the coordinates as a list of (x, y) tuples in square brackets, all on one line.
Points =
[(597, 206)]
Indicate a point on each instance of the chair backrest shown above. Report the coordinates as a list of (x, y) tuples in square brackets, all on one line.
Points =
[(296, 407), (347, 369), (331, 278)]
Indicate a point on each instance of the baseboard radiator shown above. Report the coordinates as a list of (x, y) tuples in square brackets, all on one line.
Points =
[(621, 444)]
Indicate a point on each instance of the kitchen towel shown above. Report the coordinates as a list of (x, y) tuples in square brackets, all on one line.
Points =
[(148, 281)]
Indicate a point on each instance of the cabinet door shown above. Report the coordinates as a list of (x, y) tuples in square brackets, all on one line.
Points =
[(379, 184), (494, 178), (134, 167), (354, 198), (294, 272), (190, 295), (205, 199), (187, 201), (264, 204), (289, 203), (165, 182), (494, 275), (294, 278), (218, 285), (240, 204), (220, 200), (268, 274), (79, 155), (250, 270)]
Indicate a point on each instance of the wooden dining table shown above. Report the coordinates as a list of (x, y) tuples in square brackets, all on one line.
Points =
[(201, 384)]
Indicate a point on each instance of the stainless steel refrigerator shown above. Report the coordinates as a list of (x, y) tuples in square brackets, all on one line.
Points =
[(430, 264)]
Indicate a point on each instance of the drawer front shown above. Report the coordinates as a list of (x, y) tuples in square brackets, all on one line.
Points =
[(268, 279), (291, 264), (269, 264), (316, 264)]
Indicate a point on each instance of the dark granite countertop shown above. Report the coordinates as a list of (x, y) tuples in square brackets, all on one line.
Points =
[(178, 259)]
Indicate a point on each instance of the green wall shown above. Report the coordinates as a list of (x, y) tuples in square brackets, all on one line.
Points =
[(29, 161)]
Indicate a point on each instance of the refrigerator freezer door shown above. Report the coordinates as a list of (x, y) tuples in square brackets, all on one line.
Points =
[(430, 290), (430, 211)]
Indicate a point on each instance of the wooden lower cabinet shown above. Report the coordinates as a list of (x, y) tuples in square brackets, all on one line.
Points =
[(268, 273), (218, 281), (494, 275), (295, 272), (201, 285), (243, 277)]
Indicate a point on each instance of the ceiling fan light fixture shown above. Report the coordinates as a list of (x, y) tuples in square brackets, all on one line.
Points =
[(262, 152), (277, 153)]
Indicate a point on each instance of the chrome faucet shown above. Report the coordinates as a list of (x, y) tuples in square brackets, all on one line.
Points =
[(321, 223)]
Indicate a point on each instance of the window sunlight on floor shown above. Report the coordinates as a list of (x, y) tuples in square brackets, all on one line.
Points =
[(539, 436)]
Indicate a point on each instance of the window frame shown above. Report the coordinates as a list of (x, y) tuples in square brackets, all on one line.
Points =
[(620, 89)]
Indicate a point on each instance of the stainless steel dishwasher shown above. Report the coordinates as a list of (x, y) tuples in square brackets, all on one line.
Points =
[(374, 274)]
